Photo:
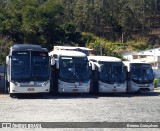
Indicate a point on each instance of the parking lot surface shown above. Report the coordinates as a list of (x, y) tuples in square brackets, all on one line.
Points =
[(81, 108)]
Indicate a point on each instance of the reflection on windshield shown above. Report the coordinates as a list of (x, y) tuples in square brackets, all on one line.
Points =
[(142, 73), (40, 67), (111, 72), (20, 67), (74, 69), (27, 66)]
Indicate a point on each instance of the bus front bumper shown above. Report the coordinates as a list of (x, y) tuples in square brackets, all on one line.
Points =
[(29, 89), (109, 88), (64, 87), (142, 87)]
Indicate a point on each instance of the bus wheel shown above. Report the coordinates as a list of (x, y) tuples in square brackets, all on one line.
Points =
[(11, 95), (6, 86), (8, 90), (55, 92), (96, 90)]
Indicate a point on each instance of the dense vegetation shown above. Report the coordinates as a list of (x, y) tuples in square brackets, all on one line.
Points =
[(114, 25)]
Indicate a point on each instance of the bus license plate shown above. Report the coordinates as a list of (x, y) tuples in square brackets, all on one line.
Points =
[(75, 90), (30, 89)]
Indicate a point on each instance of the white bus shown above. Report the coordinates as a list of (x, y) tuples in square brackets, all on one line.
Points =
[(28, 69), (140, 77), (70, 73), (108, 75)]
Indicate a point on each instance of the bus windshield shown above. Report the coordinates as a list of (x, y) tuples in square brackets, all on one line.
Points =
[(111, 72), (29, 66), (20, 65), (142, 73), (39, 65), (74, 69)]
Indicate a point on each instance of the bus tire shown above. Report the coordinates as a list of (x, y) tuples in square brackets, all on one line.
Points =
[(55, 87), (55, 91), (95, 90), (8, 90), (6, 87), (11, 95)]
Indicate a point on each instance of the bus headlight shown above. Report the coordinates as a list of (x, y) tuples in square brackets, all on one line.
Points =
[(15, 83), (87, 84), (118, 84), (135, 84), (103, 85), (62, 84), (45, 83)]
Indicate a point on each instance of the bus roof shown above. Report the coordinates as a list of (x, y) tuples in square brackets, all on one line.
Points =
[(67, 53), (128, 63), (104, 58), (26, 47), (85, 50), (135, 62), (70, 48)]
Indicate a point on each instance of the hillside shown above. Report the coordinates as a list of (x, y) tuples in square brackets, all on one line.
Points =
[(116, 26)]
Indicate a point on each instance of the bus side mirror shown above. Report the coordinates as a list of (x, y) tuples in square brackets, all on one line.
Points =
[(52, 61), (7, 60), (99, 69), (57, 64), (92, 65)]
